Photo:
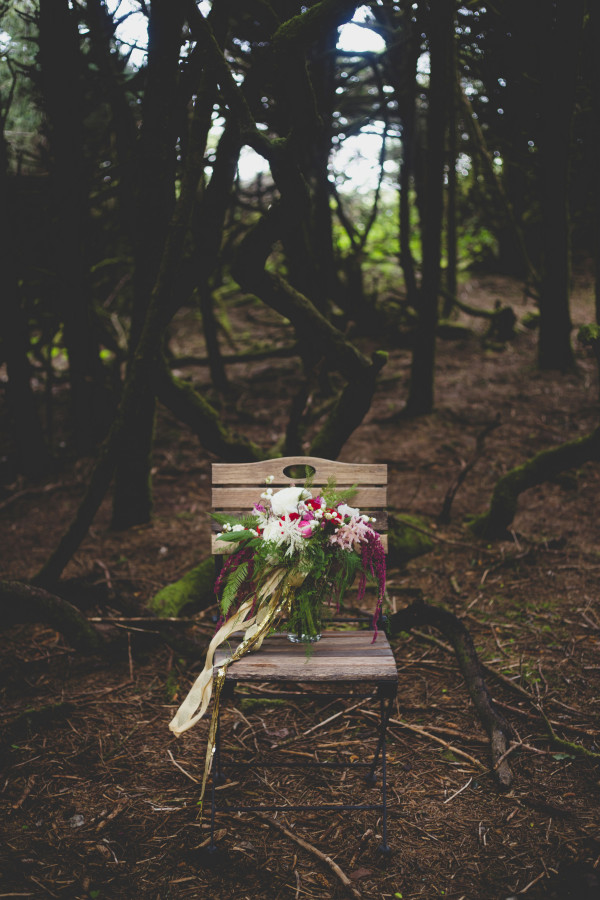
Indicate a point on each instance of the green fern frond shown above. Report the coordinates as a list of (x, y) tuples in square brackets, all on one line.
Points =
[(232, 586)]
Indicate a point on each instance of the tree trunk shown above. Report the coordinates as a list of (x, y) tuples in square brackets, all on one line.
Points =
[(594, 14), (32, 454), (561, 53), (441, 34), (155, 196), (63, 73), (143, 365), (451, 211), (403, 47), (21, 602)]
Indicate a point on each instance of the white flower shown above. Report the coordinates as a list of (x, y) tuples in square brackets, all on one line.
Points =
[(284, 531), (238, 528), (287, 500), (273, 532), (345, 510), (266, 495), (269, 479)]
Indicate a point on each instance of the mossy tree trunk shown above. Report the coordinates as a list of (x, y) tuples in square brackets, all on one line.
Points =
[(540, 468)]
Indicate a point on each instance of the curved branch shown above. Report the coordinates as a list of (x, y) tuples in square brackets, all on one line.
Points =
[(497, 728), (189, 406), (249, 271), (541, 467)]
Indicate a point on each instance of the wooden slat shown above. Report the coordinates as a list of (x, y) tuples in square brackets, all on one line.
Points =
[(246, 497), (255, 473), (338, 656), (225, 547)]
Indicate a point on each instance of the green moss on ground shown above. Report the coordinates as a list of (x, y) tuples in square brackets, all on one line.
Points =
[(196, 588)]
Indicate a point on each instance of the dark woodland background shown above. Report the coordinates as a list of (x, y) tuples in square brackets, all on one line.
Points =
[(159, 312)]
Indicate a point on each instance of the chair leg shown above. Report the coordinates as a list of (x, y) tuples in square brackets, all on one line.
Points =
[(384, 847), (213, 856), (385, 712)]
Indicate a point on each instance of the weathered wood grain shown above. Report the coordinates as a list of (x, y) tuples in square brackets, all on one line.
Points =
[(245, 497), (348, 656), (255, 473)]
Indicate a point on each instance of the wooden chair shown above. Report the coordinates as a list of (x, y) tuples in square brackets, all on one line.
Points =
[(345, 658)]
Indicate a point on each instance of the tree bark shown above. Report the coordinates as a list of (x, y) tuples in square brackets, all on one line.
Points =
[(32, 454), (441, 34), (62, 71), (561, 53), (451, 211), (149, 348), (403, 47), (154, 199)]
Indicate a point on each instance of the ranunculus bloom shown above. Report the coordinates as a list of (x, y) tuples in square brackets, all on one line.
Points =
[(287, 500)]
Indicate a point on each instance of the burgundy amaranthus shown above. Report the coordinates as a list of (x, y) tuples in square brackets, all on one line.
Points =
[(373, 561)]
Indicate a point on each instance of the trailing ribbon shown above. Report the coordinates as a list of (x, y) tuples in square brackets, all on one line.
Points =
[(278, 587)]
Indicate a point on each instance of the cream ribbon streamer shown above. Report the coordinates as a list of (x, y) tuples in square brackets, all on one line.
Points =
[(277, 588)]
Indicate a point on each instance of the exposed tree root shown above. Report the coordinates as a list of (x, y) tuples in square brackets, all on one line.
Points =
[(497, 728), (567, 746), (22, 602)]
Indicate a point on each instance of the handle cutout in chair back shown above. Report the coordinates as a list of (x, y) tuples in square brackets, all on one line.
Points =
[(299, 472)]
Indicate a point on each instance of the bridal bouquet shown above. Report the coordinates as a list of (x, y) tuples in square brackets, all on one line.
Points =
[(296, 553), (318, 544)]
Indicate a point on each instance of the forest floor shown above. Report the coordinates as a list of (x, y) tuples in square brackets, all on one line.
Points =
[(100, 801)]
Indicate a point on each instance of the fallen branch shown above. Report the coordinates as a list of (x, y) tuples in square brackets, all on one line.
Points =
[(180, 362), (497, 728), (432, 737), (327, 860)]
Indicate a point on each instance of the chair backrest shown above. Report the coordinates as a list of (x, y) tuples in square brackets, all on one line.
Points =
[(236, 487)]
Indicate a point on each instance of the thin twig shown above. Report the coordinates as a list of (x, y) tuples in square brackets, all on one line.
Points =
[(181, 769), (327, 860), (460, 790), (432, 737)]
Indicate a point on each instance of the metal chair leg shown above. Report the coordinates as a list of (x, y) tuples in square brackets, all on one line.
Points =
[(385, 711), (384, 847), (213, 856)]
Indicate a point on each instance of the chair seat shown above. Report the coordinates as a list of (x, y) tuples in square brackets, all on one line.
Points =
[(339, 656)]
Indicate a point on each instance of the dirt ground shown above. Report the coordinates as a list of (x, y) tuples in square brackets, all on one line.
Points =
[(100, 801)]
